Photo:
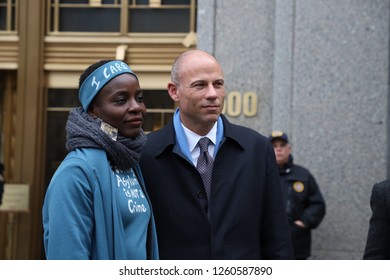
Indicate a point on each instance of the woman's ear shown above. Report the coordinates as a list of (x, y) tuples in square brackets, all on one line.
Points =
[(92, 110)]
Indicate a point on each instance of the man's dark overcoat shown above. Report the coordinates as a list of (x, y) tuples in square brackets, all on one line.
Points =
[(378, 238), (248, 217)]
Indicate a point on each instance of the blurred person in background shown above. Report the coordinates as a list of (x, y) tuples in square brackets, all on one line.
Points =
[(378, 238), (305, 204)]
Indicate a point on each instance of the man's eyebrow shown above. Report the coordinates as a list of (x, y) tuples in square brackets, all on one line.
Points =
[(197, 82), (204, 81)]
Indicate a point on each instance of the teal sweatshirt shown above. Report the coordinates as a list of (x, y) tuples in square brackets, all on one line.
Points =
[(93, 212)]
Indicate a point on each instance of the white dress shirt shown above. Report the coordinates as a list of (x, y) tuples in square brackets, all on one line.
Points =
[(193, 139)]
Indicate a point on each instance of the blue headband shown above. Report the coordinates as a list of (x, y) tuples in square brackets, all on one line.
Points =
[(98, 78)]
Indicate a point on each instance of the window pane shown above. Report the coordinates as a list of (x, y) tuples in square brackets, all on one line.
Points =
[(72, 1), (175, 2), (3, 18), (157, 20), (55, 142), (87, 1), (173, 16), (63, 98), (89, 20), (165, 2), (159, 109)]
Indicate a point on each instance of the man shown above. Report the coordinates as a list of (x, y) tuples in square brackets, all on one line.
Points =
[(305, 204), (378, 238), (243, 216)]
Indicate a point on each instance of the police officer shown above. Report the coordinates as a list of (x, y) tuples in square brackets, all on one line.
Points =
[(305, 204)]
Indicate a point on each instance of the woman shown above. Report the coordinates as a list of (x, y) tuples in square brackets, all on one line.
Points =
[(378, 239), (96, 206)]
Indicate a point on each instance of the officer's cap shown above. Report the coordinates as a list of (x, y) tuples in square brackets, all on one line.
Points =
[(277, 134)]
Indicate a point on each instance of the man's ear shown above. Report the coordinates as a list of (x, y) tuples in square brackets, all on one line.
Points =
[(172, 90)]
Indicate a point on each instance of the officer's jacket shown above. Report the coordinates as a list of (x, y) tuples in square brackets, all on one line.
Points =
[(304, 202)]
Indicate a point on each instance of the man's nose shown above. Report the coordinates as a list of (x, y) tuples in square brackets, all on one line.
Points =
[(211, 91)]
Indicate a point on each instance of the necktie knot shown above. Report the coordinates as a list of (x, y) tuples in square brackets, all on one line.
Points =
[(203, 144)]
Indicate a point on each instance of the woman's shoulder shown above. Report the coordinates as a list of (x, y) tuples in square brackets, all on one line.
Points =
[(85, 160), (79, 167), (86, 154)]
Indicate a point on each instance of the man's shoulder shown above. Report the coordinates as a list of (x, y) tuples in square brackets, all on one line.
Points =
[(165, 131), (158, 141), (382, 187), (242, 132)]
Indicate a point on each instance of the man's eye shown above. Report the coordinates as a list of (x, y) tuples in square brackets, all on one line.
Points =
[(219, 84), (201, 85)]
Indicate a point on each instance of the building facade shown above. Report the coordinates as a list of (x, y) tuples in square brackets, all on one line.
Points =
[(315, 69), (320, 71)]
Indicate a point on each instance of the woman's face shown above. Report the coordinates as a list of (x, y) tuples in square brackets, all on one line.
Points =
[(120, 104)]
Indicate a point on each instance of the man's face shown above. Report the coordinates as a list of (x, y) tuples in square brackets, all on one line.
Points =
[(200, 93), (282, 151)]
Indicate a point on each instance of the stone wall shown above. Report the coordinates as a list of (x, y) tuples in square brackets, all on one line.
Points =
[(320, 72)]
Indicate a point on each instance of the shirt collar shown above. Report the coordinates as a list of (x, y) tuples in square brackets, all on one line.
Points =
[(193, 138)]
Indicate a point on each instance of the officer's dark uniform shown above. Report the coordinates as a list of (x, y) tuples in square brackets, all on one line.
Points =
[(304, 202)]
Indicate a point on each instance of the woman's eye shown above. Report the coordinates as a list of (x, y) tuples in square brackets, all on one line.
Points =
[(120, 100), (140, 98)]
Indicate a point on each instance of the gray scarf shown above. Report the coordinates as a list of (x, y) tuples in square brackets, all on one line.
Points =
[(83, 131)]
